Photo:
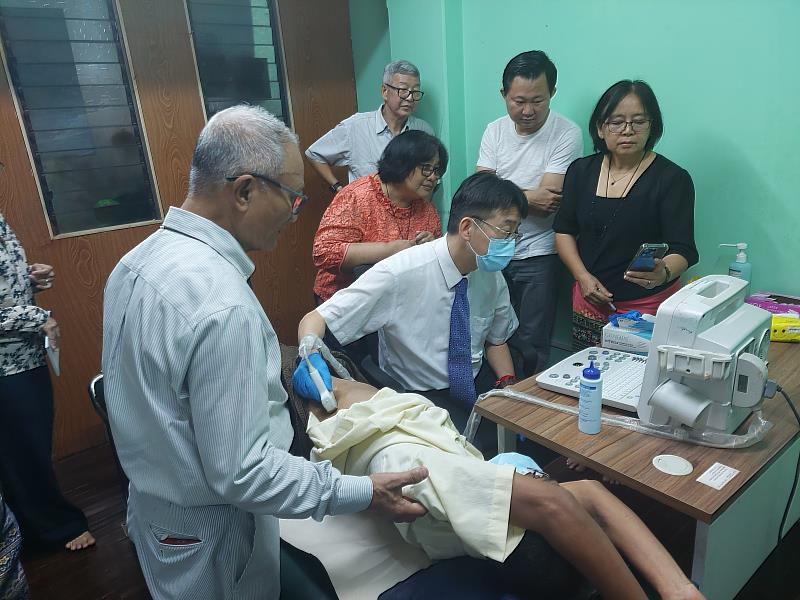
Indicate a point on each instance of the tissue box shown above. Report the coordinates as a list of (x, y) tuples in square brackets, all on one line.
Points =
[(627, 340)]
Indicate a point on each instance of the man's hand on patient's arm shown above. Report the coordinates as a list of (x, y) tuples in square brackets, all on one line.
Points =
[(387, 495)]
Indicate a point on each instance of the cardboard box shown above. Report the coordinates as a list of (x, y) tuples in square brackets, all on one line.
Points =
[(626, 340)]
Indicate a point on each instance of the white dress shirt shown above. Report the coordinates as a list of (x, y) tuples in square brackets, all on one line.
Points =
[(407, 299), (358, 142)]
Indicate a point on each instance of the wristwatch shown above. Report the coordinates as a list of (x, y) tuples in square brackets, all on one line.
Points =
[(335, 187)]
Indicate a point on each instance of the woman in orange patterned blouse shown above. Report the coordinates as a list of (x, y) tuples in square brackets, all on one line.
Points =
[(379, 215)]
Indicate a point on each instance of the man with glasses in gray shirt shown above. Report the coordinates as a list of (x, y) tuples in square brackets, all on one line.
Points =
[(359, 140)]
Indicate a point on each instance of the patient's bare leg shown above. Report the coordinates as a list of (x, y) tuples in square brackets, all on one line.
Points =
[(552, 511), (632, 537)]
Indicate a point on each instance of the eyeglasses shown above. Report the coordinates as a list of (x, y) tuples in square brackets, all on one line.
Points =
[(428, 170), (506, 235), (405, 93), (298, 199), (619, 125)]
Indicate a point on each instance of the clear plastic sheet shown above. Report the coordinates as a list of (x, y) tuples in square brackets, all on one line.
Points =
[(715, 439)]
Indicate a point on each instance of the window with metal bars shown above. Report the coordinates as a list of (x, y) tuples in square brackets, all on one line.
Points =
[(67, 66), (238, 54)]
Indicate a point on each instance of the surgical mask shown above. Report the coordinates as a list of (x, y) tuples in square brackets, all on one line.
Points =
[(498, 255)]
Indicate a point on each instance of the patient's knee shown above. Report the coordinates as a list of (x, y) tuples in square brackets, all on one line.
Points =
[(546, 503), (585, 489)]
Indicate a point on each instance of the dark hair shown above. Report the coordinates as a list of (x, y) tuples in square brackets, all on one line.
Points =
[(612, 97), (407, 151), (529, 65), (481, 195)]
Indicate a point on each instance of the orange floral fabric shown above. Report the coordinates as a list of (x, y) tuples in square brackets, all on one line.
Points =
[(361, 212)]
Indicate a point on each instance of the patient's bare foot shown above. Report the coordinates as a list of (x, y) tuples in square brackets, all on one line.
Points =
[(580, 468), (81, 542), (575, 465)]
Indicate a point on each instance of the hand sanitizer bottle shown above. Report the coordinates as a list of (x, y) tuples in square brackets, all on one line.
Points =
[(740, 267), (590, 400)]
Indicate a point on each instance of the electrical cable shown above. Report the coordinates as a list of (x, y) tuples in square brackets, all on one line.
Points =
[(796, 471)]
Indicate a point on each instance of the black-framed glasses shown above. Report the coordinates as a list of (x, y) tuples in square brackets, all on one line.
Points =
[(405, 93), (428, 170), (619, 125), (506, 235), (297, 199)]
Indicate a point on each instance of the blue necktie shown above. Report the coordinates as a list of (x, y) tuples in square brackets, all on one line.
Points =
[(459, 353)]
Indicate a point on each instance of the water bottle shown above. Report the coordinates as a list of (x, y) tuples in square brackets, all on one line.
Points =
[(590, 400)]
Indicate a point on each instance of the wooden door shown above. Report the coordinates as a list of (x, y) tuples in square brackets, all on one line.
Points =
[(172, 116), (318, 58), (319, 70)]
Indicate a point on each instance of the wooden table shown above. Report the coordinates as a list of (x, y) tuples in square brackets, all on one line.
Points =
[(737, 527)]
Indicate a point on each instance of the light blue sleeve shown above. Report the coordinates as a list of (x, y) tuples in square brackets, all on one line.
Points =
[(423, 125), (334, 147), (228, 384)]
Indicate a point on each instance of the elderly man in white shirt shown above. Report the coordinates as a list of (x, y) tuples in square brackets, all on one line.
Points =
[(431, 339), (192, 368), (358, 142)]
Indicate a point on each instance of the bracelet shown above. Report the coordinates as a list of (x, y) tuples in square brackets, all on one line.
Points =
[(505, 381), (668, 274), (335, 186)]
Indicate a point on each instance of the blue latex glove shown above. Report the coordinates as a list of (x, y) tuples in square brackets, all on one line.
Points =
[(302, 382), (521, 463)]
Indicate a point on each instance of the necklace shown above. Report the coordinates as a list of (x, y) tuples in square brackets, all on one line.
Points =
[(621, 177), (630, 181), (600, 229)]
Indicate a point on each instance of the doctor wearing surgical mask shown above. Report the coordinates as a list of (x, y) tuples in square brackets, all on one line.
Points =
[(442, 310), (501, 245)]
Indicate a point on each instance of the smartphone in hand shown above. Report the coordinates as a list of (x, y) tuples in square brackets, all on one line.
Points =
[(645, 258)]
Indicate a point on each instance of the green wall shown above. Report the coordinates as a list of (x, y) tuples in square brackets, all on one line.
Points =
[(369, 31), (727, 76), (726, 72)]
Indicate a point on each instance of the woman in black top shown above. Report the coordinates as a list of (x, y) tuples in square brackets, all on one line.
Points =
[(614, 201)]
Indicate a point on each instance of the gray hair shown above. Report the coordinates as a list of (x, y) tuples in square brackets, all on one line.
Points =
[(240, 139), (402, 67)]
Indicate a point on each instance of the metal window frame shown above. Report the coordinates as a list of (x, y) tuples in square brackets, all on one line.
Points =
[(131, 90), (280, 60)]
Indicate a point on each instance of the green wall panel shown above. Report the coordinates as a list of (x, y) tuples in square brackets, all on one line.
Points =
[(726, 73)]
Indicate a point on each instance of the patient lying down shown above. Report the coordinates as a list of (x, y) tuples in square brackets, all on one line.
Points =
[(482, 509)]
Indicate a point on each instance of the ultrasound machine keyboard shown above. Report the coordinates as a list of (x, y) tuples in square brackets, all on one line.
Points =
[(623, 374)]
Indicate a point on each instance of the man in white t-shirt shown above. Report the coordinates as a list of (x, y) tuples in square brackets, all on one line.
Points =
[(532, 146)]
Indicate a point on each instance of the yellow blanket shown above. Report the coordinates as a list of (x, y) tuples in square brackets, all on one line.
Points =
[(468, 499)]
